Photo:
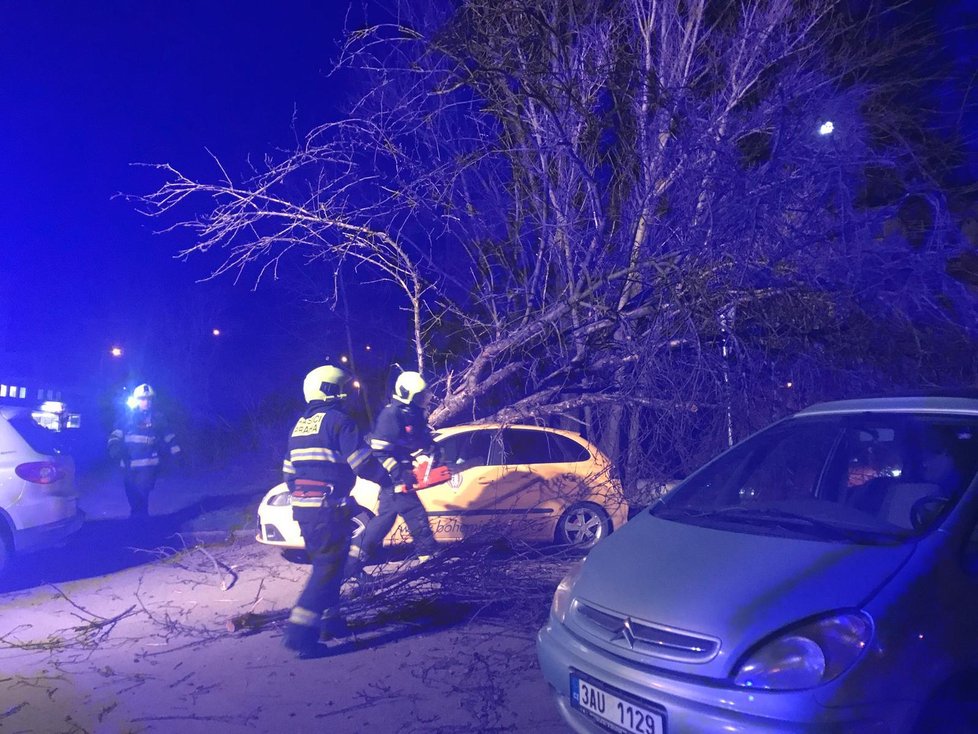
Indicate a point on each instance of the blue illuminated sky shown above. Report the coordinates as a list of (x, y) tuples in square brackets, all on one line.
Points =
[(87, 89)]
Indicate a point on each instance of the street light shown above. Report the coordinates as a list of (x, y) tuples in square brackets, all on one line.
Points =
[(826, 128), (216, 332), (116, 351)]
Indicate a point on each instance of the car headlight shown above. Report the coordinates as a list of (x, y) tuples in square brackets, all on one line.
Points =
[(280, 500), (564, 593), (807, 655)]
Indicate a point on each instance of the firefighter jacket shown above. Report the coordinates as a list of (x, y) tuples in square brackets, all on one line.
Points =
[(142, 440), (326, 450), (401, 433)]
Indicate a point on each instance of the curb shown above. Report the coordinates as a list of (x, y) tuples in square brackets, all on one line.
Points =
[(214, 537)]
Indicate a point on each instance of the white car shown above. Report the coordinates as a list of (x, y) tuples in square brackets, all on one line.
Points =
[(38, 501)]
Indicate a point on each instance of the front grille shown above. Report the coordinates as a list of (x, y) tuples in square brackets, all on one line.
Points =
[(626, 633)]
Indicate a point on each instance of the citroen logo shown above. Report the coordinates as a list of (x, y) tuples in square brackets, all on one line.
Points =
[(626, 634)]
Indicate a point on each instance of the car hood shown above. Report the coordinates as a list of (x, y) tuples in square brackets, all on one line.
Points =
[(733, 587)]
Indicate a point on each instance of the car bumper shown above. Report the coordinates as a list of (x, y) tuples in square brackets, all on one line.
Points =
[(48, 535), (276, 527), (698, 706)]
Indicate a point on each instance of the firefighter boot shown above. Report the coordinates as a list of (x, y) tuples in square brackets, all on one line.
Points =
[(333, 628), (301, 638)]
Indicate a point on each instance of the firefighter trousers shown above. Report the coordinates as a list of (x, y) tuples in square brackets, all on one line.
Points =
[(392, 504), (139, 482), (326, 531)]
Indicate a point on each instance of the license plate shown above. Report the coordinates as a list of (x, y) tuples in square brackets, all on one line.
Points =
[(614, 709)]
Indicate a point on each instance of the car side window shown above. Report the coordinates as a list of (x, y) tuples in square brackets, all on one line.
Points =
[(471, 448), (565, 449), (528, 447)]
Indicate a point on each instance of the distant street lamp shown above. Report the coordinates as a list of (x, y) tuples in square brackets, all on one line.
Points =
[(116, 351), (826, 128), (216, 332)]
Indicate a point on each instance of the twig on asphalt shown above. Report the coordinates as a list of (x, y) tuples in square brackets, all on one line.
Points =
[(102, 627), (218, 568)]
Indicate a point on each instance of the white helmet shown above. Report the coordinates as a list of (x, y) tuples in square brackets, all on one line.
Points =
[(143, 391), (408, 386), (325, 383)]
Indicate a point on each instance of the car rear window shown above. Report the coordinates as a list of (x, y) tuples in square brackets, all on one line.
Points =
[(42, 440)]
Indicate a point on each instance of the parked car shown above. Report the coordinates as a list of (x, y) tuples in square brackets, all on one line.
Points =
[(38, 502), (526, 482), (820, 576)]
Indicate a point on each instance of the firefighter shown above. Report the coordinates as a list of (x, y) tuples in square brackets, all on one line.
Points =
[(400, 434), (140, 442), (325, 450)]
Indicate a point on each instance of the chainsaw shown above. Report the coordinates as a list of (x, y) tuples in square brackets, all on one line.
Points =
[(427, 475)]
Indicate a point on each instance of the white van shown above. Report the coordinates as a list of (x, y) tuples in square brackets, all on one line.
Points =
[(820, 576), (38, 501)]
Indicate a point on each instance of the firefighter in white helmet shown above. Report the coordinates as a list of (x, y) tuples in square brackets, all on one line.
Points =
[(326, 450), (400, 434), (141, 441)]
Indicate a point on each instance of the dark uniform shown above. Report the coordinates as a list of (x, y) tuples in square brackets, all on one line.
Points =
[(140, 442), (401, 433), (325, 450)]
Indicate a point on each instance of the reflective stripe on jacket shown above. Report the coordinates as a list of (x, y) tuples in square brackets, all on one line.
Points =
[(141, 438), (400, 433), (326, 446)]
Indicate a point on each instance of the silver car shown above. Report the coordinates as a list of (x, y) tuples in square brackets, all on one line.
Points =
[(820, 576)]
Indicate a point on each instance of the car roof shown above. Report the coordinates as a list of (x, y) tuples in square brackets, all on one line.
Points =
[(934, 403), (449, 430)]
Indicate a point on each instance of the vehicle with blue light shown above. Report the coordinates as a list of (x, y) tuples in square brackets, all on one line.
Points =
[(820, 576), (38, 500)]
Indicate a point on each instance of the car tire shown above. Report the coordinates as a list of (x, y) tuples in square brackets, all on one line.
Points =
[(6, 549), (582, 525), (295, 555), (360, 521)]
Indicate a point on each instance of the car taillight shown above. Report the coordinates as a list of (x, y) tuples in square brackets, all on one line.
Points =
[(39, 472)]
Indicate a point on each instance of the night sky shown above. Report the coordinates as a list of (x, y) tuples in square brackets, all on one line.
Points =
[(87, 90)]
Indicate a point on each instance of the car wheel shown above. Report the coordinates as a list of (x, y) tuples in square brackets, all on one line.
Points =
[(6, 549), (360, 521), (583, 524), (295, 555)]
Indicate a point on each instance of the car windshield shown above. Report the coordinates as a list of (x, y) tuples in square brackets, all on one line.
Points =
[(863, 478)]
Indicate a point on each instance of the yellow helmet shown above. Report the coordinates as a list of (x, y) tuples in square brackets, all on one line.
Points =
[(408, 386), (325, 383)]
